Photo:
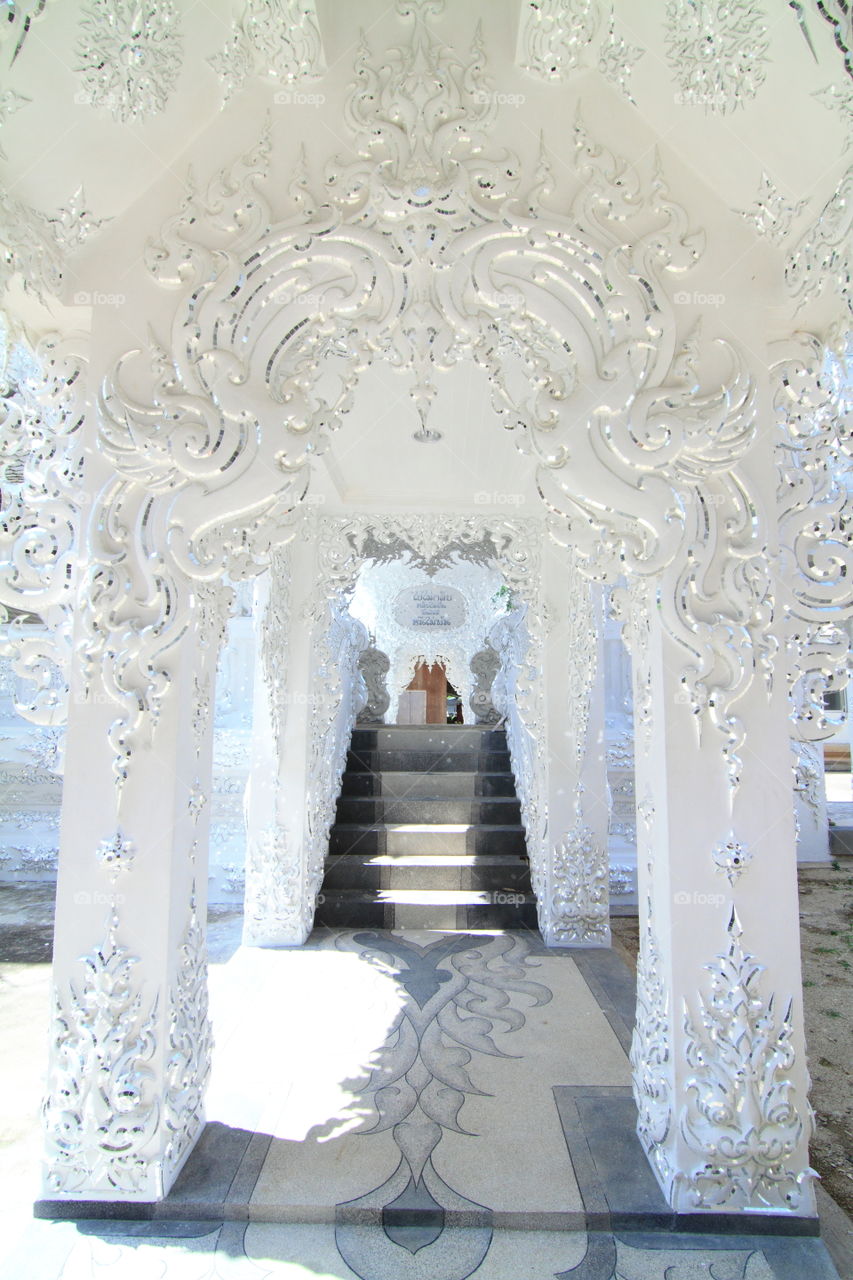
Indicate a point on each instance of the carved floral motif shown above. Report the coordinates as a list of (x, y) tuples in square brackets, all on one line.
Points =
[(580, 899), (130, 56), (102, 1108), (741, 1117), (718, 53), (732, 858)]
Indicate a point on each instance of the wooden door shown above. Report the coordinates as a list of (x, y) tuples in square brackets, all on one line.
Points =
[(434, 681)]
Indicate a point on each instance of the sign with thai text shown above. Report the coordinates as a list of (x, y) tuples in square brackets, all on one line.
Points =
[(438, 608)]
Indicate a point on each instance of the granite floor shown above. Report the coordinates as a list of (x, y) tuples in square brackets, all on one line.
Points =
[(400, 1106)]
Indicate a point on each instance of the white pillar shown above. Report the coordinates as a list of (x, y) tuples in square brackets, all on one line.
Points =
[(130, 1043), (718, 1057), (279, 909), (576, 906)]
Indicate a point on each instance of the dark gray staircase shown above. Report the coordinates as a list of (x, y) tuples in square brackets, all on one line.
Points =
[(428, 834)]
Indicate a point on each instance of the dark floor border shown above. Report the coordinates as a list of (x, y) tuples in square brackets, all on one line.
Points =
[(618, 1189)]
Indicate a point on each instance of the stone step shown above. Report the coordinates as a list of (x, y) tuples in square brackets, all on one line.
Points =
[(425, 909), (429, 737), (422, 838), (384, 810), (428, 785), (379, 761), (497, 873)]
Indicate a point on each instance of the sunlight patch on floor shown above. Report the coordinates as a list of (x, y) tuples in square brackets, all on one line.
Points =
[(296, 1031)]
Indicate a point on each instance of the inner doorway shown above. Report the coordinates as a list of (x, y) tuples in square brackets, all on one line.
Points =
[(443, 704)]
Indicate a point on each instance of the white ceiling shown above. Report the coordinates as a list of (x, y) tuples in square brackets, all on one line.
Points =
[(56, 141)]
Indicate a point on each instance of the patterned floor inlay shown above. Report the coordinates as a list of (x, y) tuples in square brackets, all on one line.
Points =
[(415, 1106), (458, 994)]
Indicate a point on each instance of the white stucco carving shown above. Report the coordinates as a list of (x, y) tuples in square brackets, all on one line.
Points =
[(102, 1108), (279, 39), (130, 57), (741, 1118)]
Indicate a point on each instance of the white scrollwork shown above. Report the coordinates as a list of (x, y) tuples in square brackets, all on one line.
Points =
[(441, 256), (742, 1116), (42, 457), (718, 53), (275, 38), (651, 1054), (809, 777), (102, 1109), (130, 56), (555, 35), (813, 402), (190, 1042)]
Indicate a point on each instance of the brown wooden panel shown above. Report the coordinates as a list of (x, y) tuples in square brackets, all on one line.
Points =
[(434, 681)]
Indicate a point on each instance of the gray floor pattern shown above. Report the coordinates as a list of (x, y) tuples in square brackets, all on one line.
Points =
[(465, 1001)]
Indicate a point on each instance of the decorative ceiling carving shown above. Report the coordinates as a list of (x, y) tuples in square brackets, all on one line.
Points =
[(130, 56), (772, 214), (718, 53), (279, 39)]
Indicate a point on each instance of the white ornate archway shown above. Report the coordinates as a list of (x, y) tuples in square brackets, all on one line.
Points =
[(650, 452)]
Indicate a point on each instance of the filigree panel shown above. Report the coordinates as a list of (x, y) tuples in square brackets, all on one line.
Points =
[(130, 56), (742, 1117), (813, 402), (102, 1108), (580, 891), (718, 53), (42, 456)]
